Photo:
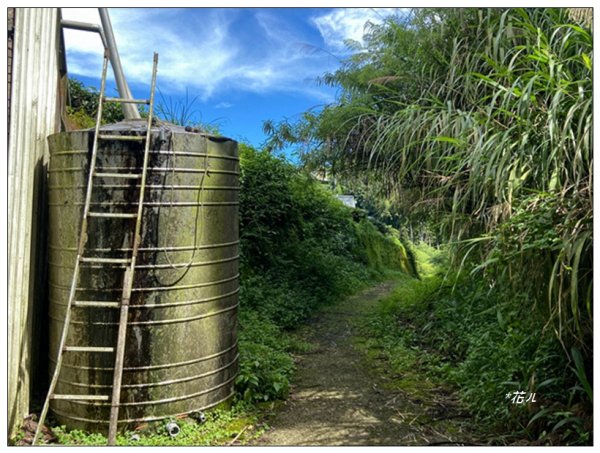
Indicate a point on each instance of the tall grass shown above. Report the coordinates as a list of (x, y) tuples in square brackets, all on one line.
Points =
[(480, 341), (500, 140)]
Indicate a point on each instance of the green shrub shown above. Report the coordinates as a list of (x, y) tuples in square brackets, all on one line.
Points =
[(83, 106), (265, 366)]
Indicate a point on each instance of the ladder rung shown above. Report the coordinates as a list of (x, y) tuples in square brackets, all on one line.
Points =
[(112, 215), (81, 397), (96, 304), (118, 175), (132, 138), (89, 349), (127, 101), (105, 260)]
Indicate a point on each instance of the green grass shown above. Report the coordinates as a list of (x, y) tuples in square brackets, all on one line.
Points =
[(221, 427), (483, 343), (429, 259)]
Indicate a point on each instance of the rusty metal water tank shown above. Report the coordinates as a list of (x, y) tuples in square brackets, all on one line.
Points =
[(181, 353)]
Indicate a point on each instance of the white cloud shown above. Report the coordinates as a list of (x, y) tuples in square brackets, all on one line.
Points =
[(348, 23), (224, 105), (199, 49)]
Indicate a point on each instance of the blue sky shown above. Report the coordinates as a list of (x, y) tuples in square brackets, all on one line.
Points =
[(243, 65)]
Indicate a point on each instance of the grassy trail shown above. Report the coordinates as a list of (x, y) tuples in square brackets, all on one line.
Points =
[(343, 393)]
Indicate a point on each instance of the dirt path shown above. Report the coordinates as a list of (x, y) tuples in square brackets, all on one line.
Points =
[(338, 399)]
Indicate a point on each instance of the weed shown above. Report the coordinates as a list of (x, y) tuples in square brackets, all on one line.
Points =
[(221, 427), (486, 343)]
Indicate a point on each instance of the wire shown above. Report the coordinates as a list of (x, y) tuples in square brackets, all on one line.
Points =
[(199, 206)]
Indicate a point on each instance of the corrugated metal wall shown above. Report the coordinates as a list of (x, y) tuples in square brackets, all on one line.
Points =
[(34, 114)]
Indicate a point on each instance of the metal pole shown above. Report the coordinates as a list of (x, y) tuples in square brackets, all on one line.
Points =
[(85, 27), (129, 110)]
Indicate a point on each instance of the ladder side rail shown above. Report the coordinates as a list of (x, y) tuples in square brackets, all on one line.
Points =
[(136, 237), (80, 248), (128, 279)]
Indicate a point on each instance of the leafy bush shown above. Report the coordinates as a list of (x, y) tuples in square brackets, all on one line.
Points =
[(265, 366), (378, 252), (83, 106)]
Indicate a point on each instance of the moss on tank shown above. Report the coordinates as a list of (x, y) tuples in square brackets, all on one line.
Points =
[(181, 353)]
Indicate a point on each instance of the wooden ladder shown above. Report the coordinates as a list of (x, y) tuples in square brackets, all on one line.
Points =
[(123, 305)]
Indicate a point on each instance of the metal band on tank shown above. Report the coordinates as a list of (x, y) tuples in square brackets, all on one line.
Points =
[(145, 419), (152, 367), (175, 204), (166, 153), (155, 384), (163, 401), (156, 288), (153, 170), (149, 266), (150, 249), (170, 304), (151, 323), (151, 186)]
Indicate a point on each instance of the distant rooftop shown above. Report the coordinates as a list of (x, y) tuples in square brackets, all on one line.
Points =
[(348, 200)]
